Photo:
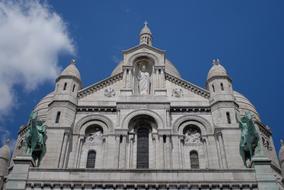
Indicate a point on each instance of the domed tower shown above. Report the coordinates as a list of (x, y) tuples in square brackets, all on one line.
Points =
[(65, 98), (222, 98), (281, 158), (4, 162), (146, 35)]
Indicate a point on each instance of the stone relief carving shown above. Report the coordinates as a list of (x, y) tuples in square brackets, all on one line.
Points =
[(109, 92), (192, 136), (177, 92), (94, 138)]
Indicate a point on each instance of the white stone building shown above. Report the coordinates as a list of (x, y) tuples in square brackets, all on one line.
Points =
[(145, 127)]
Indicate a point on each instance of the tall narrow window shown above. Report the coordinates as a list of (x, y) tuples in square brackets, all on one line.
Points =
[(74, 86), (65, 86), (213, 87), (228, 117), (143, 148), (222, 86), (194, 160), (91, 160), (57, 117)]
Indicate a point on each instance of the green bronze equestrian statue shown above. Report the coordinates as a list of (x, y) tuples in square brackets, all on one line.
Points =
[(35, 138), (249, 138)]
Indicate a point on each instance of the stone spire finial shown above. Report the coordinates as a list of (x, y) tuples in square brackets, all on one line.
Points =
[(216, 62), (145, 23), (73, 61), (146, 35), (281, 142)]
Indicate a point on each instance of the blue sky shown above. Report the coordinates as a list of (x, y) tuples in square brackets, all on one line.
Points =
[(247, 36)]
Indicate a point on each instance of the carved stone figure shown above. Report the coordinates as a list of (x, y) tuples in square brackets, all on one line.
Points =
[(35, 138), (249, 138), (177, 92), (144, 81), (95, 137), (109, 92), (192, 136)]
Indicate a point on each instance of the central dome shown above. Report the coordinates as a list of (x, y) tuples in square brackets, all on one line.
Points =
[(169, 67)]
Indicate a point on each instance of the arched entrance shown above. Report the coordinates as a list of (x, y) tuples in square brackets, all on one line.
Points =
[(142, 126)]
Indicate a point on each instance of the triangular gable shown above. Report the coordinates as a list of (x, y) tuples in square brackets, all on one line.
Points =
[(143, 46), (187, 85), (99, 85)]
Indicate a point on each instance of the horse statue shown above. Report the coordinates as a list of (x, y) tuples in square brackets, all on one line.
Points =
[(35, 138), (249, 138)]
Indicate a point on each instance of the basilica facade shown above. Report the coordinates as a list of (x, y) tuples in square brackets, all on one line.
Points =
[(144, 127)]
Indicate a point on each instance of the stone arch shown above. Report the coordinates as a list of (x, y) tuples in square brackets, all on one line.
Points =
[(159, 121), (142, 120), (132, 59), (198, 121), (88, 120)]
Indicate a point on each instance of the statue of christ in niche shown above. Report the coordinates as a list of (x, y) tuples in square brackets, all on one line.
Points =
[(143, 80)]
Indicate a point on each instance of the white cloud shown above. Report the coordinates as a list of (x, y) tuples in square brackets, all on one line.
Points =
[(32, 36), (4, 136)]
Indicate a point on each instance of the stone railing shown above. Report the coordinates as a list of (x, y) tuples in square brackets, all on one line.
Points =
[(141, 179)]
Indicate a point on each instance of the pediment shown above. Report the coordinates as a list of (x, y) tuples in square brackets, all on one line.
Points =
[(102, 87), (143, 46), (180, 88)]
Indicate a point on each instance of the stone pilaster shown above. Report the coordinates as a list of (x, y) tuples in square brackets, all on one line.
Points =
[(18, 177), (264, 174)]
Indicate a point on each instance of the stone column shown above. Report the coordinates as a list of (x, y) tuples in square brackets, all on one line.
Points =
[(111, 152), (162, 78), (122, 153), (79, 151), (125, 78), (223, 151), (175, 152), (161, 152), (159, 163), (18, 177), (205, 144), (168, 152), (181, 150), (117, 151), (63, 151), (151, 151)]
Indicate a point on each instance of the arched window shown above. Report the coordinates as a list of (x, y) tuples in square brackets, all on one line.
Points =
[(143, 147), (213, 87), (91, 159), (74, 86), (94, 130), (222, 86), (194, 160), (228, 117)]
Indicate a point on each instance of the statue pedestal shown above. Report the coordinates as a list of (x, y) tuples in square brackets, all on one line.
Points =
[(264, 174), (160, 92), (126, 92), (17, 179)]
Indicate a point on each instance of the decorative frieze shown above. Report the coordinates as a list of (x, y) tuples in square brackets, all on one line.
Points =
[(149, 186), (190, 109), (96, 109)]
